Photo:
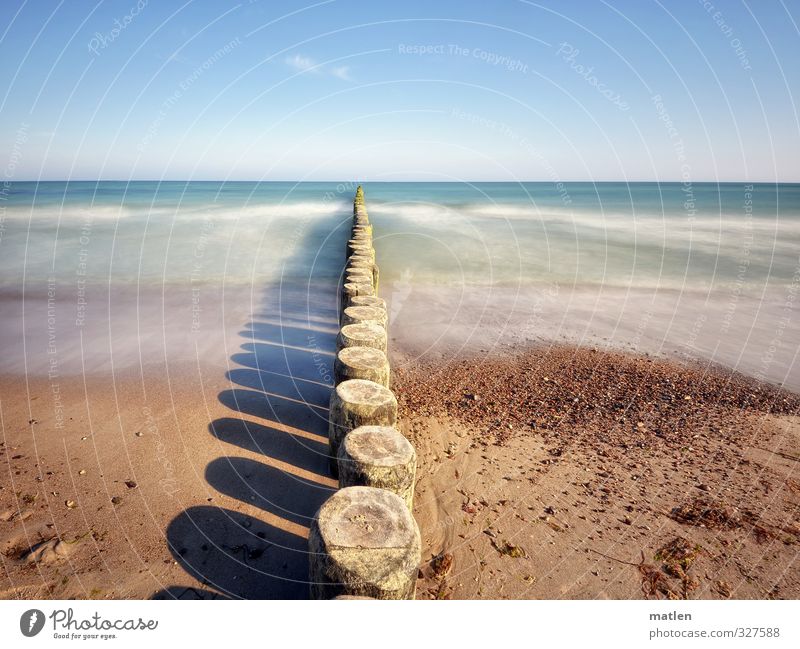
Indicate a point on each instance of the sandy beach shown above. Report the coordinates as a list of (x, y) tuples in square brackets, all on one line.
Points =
[(156, 490), (549, 472), (569, 472)]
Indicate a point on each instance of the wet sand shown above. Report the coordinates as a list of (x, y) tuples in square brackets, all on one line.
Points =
[(754, 332)]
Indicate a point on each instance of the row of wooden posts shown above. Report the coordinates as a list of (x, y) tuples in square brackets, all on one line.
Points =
[(364, 541)]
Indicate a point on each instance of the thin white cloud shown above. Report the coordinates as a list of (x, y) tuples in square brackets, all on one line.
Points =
[(342, 72), (299, 62), (307, 64)]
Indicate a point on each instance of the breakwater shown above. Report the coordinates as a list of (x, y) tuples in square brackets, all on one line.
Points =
[(364, 541)]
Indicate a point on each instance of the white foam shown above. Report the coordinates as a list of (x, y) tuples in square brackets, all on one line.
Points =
[(98, 212), (307, 209), (703, 229)]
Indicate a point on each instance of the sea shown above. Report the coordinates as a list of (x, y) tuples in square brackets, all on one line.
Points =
[(705, 236), (636, 264)]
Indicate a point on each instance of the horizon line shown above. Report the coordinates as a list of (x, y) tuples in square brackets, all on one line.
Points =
[(470, 181)]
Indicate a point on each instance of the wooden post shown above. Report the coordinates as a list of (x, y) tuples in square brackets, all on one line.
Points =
[(378, 456), (368, 300), (366, 334), (353, 274), (364, 542), (361, 363), (351, 289), (356, 314), (355, 403)]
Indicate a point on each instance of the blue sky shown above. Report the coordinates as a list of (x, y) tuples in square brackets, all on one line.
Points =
[(510, 90)]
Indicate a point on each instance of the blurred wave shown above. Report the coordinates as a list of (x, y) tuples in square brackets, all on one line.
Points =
[(707, 236)]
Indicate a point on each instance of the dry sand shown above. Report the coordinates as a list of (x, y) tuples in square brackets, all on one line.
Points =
[(182, 487), (573, 473)]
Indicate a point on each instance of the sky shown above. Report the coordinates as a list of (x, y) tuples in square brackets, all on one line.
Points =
[(436, 91)]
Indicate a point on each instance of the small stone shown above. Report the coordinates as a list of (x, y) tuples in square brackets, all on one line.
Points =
[(442, 564), (82, 472), (116, 500), (48, 551), (70, 504)]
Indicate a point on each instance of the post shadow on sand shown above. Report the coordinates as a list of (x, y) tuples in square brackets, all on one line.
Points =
[(281, 382), (236, 555)]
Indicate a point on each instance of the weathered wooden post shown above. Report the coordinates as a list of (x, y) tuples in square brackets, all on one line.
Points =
[(368, 300), (358, 402), (357, 275), (366, 334), (362, 248), (361, 363), (378, 456), (358, 243), (357, 314), (362, 258), (365, 263), (354, 261), (364, 541), (351, 289), (364, 228)]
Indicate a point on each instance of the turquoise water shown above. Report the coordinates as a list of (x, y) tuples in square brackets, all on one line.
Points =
[(706, 235)]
